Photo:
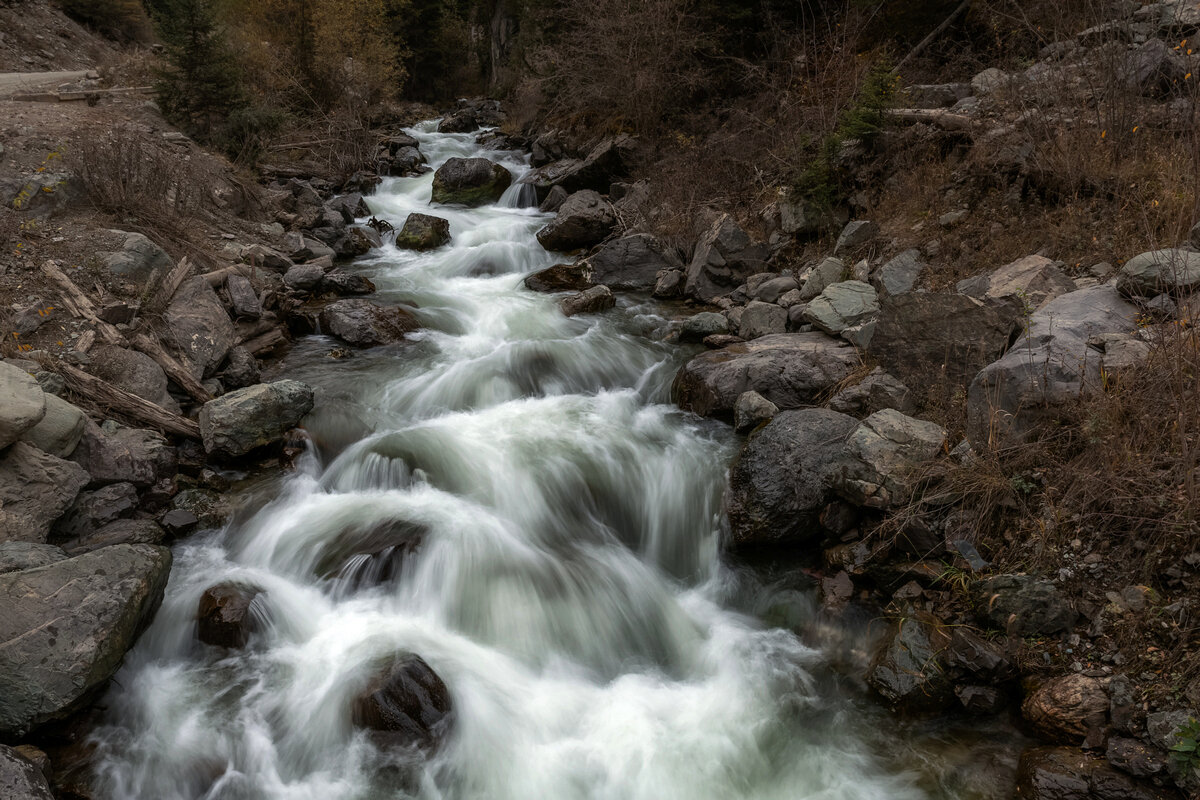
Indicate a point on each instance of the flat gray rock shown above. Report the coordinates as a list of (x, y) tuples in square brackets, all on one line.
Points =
[(59, 431), (20, 779), (200, 326), (66, 627)]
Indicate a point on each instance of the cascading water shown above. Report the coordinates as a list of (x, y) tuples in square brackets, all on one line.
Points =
[(564, 580)]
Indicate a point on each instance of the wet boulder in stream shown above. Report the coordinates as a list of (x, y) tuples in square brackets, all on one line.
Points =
[(423, 232), (589, 301), (470, 182), (784, 476), (632, 262), (405, 705), (224, 617), (365, 323), (561, 278), (21, 779), (584, 219)]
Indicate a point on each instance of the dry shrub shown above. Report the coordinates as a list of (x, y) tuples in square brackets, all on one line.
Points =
[(147, 185), (335, 145), (130, 67)]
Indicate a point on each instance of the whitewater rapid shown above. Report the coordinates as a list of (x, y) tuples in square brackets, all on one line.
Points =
[(567, 588)]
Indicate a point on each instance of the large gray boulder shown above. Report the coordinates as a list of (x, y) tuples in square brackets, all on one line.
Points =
[(16, 556), (632, 262), (115, 454), (200, 326), (784, 476), (907, 670), (589, 301), (1150, 274), (1034, 280), (20, 779), (884, 456), (134, 372), (1023, 605), (254, 417), (59, 431), (828, 272), (724, 257), (94, 509), (899, 275), (762, 319), (584, 219), (36, 488), (790, 370), (365, 323), (604, 163), (1050, 366), (22, 403), (137, 259), (842, 305), (698, 327), (66, 627), (928, 335), (470, 182)]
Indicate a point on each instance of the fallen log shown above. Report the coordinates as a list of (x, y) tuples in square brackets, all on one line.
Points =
[(80, 304), (85, 342), (170, 284), (268, 341), (175, 370), (933, 116), (107, 396), (252, 330)]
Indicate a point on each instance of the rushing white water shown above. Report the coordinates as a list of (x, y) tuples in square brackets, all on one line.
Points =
[(567, 588)]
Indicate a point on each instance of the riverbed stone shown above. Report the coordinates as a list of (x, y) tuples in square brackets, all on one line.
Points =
[(900, 274), (134, 372), (1066, 709), (257, 416), (59, 431), (632, 262), (841, 306), (470, 182), (36, 488), (1067, 773), (589, 301), (856, 234), (20, 778), (303, 277), (1023, 605), (137, 259), (700, 326), (22, 403), (224, 617), (941, 336), (790, 370), (98, 603), (119, 454), (200, 327), (561, 278), (783, 477), (365, 323), (584, 219), (96, 508), (877, 391), (826, 273), (1048, 368), (761, 319), (724, 257), (423, 232), (907, 670), (406, 704), (752, 410), (1034, 280), (1176, 272), (884, 455), (119, 531)]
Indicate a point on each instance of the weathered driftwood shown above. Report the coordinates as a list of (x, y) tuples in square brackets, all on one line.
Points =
[(933, 116), (161, 298), (85, 341), (217, 277), (174, 369), (252, 330), (267, 341), (105, 395), (79, 304)]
